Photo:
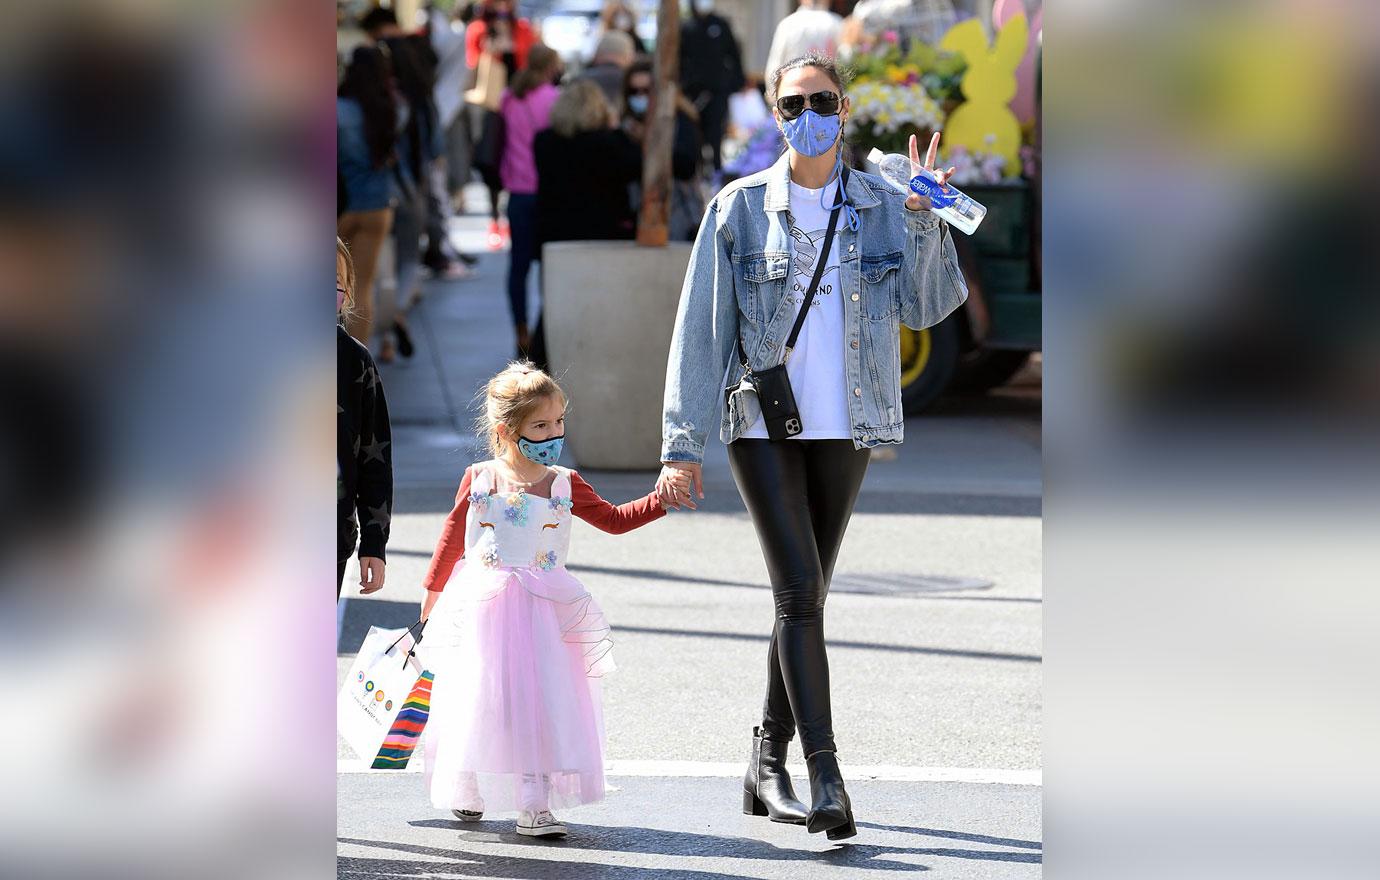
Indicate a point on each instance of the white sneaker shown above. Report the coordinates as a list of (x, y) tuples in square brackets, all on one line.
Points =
[(541, 824), (468, 815)]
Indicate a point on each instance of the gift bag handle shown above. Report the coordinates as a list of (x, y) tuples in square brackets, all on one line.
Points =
[(420, 625)]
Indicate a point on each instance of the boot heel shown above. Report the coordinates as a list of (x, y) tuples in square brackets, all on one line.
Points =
[(847, 829), (752, 806)]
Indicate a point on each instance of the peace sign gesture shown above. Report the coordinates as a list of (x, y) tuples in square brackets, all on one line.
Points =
[(916, 202)]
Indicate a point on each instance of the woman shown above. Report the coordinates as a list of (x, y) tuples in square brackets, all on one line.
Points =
[(366, 134), (498, 33), (764, 248), (526, 110), (585, 164), (618, 16), (419, 144)]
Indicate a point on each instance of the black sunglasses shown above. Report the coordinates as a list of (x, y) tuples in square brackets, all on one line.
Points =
[(823, 103)]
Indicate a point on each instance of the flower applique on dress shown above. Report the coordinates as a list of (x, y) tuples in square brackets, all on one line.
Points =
[(516, 513), (489, 557), (559, 503), (479, 499), (546, 561)]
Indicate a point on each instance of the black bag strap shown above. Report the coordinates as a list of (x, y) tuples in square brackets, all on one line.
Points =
[(416, 640), (820, 265)]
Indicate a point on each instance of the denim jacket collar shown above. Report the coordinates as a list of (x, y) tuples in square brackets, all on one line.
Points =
[(778, 195)]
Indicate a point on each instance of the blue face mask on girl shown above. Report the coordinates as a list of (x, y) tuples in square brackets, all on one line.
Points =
[(541, 451)]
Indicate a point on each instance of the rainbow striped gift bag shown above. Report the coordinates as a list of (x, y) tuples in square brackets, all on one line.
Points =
[(385, 699), (407, 727)]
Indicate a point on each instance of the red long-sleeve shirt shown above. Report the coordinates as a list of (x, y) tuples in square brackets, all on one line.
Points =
[(585, 503)]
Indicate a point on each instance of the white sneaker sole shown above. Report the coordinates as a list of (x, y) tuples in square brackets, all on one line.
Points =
[(542, 831)]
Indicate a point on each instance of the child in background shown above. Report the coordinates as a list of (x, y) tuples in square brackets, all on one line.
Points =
[(364, 464), (516, 642)]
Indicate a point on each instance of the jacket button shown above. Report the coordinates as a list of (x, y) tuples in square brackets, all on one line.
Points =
[(853, 344), (857, 392), (855, 297)]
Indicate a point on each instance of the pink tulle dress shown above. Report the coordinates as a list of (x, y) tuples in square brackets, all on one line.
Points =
[(518, 646)]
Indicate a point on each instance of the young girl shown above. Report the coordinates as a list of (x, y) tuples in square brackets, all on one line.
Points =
[(517, 644), (364, 466)]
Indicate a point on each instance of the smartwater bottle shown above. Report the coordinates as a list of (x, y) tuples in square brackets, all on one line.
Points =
[(946, 201)]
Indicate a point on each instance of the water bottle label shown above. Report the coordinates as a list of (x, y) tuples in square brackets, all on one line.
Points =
[(940, 197)]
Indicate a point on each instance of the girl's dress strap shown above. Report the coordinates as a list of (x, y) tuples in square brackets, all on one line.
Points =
[(481, 479), (560, 487)]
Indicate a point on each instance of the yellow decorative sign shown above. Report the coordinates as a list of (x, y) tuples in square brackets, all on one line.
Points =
[(984, 122)]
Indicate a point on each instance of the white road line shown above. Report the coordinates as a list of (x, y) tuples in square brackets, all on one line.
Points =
[(879, 772)]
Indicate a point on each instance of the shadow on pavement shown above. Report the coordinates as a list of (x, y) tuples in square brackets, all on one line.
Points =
[(955, 835), (838, 643), (359, 616), (649, 841)]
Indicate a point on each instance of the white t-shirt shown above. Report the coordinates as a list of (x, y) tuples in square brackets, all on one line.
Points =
[(816, 367)]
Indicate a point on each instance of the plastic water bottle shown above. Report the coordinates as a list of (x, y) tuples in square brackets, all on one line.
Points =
[(958, 209)]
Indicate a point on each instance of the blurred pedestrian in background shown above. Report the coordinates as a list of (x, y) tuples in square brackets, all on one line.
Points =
[(418, 146), (526, 110), (618, 16), (585, 164), (614, 54), (711, 69), (364, 464), (496, 47), (452, 77), (811, 29), (687, 196), (445, 54), (366, 134)]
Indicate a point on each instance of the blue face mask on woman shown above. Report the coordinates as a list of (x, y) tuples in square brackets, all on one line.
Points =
[(541, 451), (638, 105), (811, 134)]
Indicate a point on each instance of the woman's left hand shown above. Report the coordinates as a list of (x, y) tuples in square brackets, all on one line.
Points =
[(915, 201)]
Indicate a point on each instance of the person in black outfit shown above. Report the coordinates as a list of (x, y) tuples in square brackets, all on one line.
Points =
[(364, 462), (711, 70), (584, 168), (687, 203)]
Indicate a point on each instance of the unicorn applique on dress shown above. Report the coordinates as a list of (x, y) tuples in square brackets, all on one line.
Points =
[(518, 646)]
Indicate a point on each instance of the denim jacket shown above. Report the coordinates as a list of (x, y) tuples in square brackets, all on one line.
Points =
[(898, 268)]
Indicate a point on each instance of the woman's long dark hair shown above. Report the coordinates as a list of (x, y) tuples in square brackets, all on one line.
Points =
[(368, 80)]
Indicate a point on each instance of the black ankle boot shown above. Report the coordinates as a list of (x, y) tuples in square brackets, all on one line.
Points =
[(767, 787), (832, 812)]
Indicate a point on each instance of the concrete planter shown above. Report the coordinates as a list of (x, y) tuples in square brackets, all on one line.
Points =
[(609, 308)]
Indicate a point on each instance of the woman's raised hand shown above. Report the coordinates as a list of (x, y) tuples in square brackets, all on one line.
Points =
[(915, 201), (674, 484)]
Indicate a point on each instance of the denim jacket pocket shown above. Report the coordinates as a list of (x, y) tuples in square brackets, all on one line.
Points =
[(763, 277), (881, 294)]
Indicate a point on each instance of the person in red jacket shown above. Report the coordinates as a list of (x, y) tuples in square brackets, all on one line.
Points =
[(517, 644)]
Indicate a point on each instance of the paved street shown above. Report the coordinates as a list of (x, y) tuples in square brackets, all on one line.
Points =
[(934, 631)]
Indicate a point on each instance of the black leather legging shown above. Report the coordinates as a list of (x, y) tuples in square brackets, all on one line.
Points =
[(800, 495)]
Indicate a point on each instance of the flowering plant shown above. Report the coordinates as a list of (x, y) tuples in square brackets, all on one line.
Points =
[(760, 151), (981, 167), (886, 114), (880, 59), (896, 94)]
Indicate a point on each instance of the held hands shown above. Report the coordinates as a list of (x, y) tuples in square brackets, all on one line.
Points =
[(915, 201), (673, 486)]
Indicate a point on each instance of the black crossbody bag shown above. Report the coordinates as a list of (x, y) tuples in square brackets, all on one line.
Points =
[(773, 385)]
